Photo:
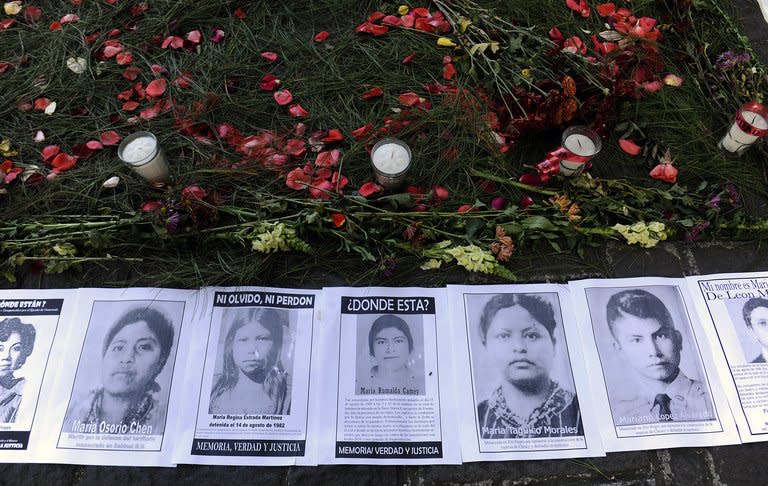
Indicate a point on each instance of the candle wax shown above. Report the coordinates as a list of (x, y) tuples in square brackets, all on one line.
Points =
[(139, 149), (391, 158), (580, 145)]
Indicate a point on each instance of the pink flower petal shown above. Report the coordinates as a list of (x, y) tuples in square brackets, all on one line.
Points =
[(629, 146)]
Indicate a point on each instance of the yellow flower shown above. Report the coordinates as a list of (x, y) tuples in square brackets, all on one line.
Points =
[(526, 73), (431, 264), (445, 42), (403, 9), (5, 148)]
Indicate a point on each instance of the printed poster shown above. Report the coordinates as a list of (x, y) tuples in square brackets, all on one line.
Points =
[(388, 377), (735, 310), (653, 372), (517, 349), (31, 321), (119, 388), (251, 393)]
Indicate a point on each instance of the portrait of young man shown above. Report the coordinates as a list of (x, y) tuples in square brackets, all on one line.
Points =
[(755, 313), (648, 343)]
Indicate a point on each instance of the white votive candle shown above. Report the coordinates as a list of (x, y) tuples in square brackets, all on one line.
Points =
[(141, 152), (582, 142), (391, 159), (737, 140)]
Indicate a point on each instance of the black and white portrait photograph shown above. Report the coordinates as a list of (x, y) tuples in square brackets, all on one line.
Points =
[(17, 341), (252, 373), (390, 354), (750, 323), (521, 371), (651, 363), (125, 369)]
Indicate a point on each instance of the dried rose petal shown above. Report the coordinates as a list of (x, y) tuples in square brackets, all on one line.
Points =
[(283, 97), (156, 87), (375, 92), (629, 146), (269, 56), (110, 138), (297, 111)]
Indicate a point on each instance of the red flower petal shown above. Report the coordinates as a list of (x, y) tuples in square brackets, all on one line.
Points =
[(466, 208), (269, 82), (41, 103), (124, 58), (440, 193), (158, 69), (334, 135), (409, 99), (110, 138), (328, 159), (194, 36), (297, 179), (269, 56), (130, 105), (605, 9), (49, 152), (63, 162), (131, 73), (338, 219), (32, 13), (409, 58), (374, 92), (156, 87), (112, 51), (321, 36), (69, 19), (94, 145), (150, 112), (54, 25), (369, 188), (362, 132), (172, 41), (297, 111), (295, 148), (629, 146), (392, 20), (283, 97), (449, 71), (320, 189), (239, 13), (217, 36), (373, 29)]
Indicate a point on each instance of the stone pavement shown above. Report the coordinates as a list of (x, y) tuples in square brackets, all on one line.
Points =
[(732, 465)]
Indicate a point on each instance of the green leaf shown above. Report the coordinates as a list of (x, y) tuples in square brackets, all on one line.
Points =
[(539, 223), (473, 226)]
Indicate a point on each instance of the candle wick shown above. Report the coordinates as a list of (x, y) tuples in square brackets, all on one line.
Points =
[(579, 142), (754, 117)]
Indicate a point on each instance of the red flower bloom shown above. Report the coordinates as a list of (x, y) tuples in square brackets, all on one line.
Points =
[(664, 172)]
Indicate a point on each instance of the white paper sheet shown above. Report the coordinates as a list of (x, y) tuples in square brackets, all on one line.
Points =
[(32, 323), (518, 360), (387, 377), (249, 377), (734, 308), (652, 371), (118, 390)]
